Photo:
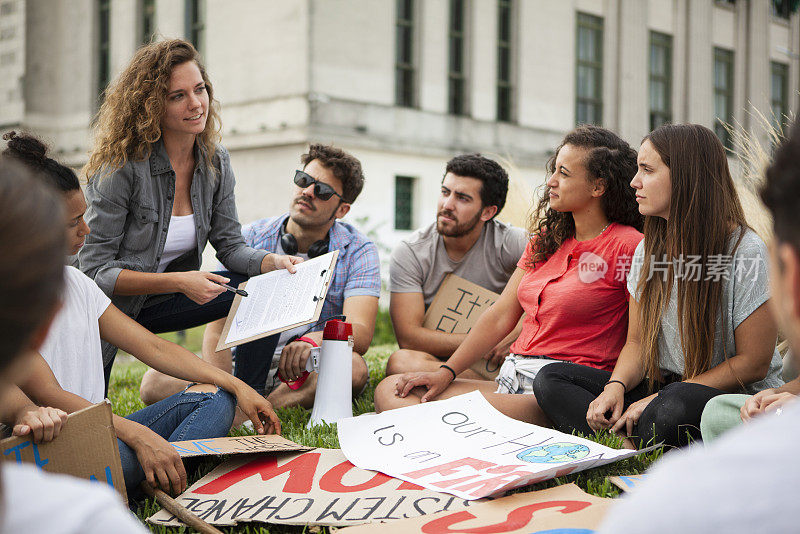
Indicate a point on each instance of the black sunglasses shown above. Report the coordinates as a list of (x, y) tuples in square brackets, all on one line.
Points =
[(321, 190)]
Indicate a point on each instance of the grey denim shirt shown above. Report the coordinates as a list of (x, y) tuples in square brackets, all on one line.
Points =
[(129, 212)]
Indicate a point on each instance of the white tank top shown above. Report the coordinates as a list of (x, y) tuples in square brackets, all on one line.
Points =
[(181, 238)]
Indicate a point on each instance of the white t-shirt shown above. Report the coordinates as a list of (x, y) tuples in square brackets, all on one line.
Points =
[(744, 482), (34, 502), (72, 348), (181, 238)]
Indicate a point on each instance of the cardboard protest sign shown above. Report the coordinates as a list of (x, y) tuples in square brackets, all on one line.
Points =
[(319, 487), (236, 445), (563, 509), (465, 447), (455, 309), (85, 448), (627, 483)]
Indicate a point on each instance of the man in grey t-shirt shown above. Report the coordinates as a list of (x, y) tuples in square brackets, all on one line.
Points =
[(465, 240)]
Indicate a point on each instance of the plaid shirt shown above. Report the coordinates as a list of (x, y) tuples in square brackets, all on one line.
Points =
[(357, 269)]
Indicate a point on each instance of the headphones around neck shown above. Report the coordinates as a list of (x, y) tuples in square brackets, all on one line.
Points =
[(289, 243)]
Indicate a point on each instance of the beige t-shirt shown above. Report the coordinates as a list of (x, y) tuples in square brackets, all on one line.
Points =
[(420, 263)]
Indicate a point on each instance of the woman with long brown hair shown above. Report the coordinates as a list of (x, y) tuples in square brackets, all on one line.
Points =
[(160, 188), (698, 321), (570, 283)]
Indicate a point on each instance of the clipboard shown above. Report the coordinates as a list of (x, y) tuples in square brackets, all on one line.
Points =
[(318, 297), (455, 309)]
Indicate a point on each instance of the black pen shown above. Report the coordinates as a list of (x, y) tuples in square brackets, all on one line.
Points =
[(241, 292)]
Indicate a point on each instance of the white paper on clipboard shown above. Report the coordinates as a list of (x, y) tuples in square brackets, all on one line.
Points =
[(279, 300)]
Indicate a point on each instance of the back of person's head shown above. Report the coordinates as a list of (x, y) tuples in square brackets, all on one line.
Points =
[(704, 207), (610, 159), (129, 119), (32, 153), (781, 190), (344, 166), (494, 178), (32, 259)]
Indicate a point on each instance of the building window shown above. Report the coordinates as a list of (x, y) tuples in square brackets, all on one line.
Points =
[(781, 9), (505, 89), (403, 202), (405, 69), (660, 79), (147, 20), (196, 23), (8, 8), (456, 71), (103, 45), (723, 94), (779, 99), (589, 73)]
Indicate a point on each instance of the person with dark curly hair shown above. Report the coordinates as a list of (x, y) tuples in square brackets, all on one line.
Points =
[(699, 323), (32, 268), (325, 188), (570, 283), (161, 188), (467, 241), (67, 372)]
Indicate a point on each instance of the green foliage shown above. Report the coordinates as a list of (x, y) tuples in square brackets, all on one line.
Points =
[(124, 394), (384, 334)]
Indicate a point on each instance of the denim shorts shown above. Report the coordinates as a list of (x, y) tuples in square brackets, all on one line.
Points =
[(518, 371)]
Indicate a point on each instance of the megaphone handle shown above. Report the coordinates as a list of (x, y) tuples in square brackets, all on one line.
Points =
[(297, 384), (311, 365)]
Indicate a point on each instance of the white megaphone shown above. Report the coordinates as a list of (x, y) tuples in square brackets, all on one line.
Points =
[(333, 399)]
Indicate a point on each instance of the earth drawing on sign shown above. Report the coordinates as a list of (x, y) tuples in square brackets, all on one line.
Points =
[(554, 453)]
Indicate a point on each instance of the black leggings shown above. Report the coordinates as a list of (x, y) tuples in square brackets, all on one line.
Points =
[(565, 390), (179, 312)]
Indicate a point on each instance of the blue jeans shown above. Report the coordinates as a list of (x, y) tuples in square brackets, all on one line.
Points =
[(183, 416), (179, 312)]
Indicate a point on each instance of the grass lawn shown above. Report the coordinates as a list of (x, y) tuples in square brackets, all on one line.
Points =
[(124, 394)]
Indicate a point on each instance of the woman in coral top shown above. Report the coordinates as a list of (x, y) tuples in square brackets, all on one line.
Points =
[(570, 283)]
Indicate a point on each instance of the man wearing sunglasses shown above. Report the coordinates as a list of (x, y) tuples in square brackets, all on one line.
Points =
[(324, 189), (465, 240)]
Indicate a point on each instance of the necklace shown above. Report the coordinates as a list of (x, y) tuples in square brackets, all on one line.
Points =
[(595, 237)]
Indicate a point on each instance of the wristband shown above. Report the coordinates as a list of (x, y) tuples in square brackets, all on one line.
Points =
[(624, 387), (307, 340), (445, 366)]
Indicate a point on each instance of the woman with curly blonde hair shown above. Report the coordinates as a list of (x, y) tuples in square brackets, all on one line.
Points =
[(161, 187)]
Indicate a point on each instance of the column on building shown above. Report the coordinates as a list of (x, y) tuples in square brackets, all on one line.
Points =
[(698, 61), (61, 69), (632, 80)]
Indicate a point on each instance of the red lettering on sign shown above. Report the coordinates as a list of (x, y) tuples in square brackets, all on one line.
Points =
[(332, 480), (454, 481), (516, 519), (500, 469), (406, 485), (487, 486), (301, 474), (450, 467)]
